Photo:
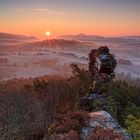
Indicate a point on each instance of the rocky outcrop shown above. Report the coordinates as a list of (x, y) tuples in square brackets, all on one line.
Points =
[(101, 126), (103, 120)]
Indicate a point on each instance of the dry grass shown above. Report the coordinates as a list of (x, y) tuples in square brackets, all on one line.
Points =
[(28, 106)]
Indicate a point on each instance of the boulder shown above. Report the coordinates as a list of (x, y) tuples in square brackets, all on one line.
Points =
[(103, 120)]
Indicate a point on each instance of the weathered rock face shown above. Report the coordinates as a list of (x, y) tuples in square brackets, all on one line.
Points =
[(101, 126), (104, 120)]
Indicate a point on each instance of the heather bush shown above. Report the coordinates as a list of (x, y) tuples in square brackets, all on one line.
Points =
[(101, 133), (64, 123), (28, 106)]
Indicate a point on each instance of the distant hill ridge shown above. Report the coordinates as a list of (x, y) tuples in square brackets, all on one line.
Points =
[(96, 37), (16, 37), (55, 43), (80, 36)]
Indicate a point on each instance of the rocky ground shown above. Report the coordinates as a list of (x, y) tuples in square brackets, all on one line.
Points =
[(99, 126)]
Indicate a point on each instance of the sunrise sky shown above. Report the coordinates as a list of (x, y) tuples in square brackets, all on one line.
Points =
[(98, 17)]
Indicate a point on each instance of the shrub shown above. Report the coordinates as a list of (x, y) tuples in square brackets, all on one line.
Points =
[(101, 133), (64, 123), (121, 96), (28, 106), (133, 126)]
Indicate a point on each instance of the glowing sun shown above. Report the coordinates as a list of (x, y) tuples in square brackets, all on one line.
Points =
[(48, 33)]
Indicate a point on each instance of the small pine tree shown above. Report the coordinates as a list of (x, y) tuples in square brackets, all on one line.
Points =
[(133, 126)]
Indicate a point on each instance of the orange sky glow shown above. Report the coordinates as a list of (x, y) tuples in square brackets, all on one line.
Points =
[(97, 19)]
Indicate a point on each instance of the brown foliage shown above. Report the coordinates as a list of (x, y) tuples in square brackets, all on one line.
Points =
[(27, 106), (101, 133), (72, 135), (64, 123)]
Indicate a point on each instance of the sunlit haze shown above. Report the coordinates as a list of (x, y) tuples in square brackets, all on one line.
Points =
[(98, 17)]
